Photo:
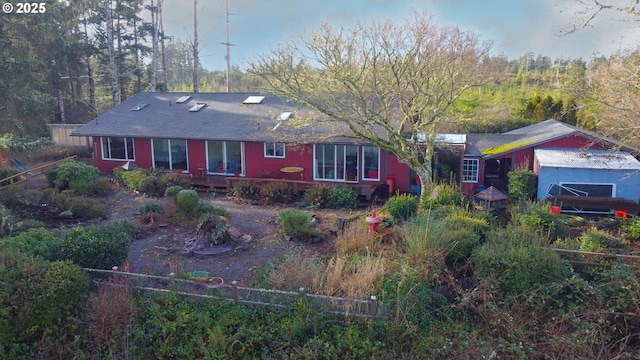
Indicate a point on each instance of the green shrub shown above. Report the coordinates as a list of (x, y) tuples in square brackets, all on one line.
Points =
[(187, 202), (404, 292), (36, 242), (150, 207), (27, 224), (343, 197), (98, 248), (172, 191), (6, 220), (131, 178), (171, 179), (87, 208), (214, 228), (402, 207), (297, 224), (462, 242), (276, 193), (246, 190), (151, 185), (101, 186), (516, 260), (318, 195), (7, 172), (19, 199), (537, 215), (522, 185), (36, 295), (76, 176), (631, 228), (447, 194)]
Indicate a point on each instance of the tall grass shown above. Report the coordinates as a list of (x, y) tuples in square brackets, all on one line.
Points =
[(424, 246), (355, 237), (353, 276)]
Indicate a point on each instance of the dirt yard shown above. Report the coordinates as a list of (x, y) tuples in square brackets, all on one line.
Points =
[(159, 248)]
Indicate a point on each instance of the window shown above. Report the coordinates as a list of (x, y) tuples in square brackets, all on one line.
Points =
[(170, 154), (336, 162), (274, 150), (470, 170), (371, 168), (117, 148), (225, 157)]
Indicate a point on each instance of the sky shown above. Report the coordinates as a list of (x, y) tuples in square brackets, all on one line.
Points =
[(515, 27)]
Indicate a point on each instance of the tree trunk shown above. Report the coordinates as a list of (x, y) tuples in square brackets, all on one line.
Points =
[(112, 61), (154, 47)]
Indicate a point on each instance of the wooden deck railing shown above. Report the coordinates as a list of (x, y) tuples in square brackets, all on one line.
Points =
[(23, 177)]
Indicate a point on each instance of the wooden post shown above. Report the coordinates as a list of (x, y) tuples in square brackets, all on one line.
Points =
[(234, 290), (373, 306), (172, 281)]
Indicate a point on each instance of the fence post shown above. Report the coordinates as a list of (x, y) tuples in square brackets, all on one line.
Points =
[(172, 281), (373, 306), (234, 290)]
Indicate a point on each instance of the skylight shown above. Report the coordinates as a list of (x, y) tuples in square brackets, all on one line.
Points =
[(139, 107), (286, 115), (254, 99), (183, 99), (197, 107)]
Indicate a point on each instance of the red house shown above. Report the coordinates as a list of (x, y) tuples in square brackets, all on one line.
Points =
[(220, 135)]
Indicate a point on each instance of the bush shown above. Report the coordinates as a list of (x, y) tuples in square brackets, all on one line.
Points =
[(447, 194), (87, 208), (36, 242), (537, 215), (97, 248), (246, 190), (170, 179), (277, 193), (317, 195), (522, 185), (402, 207), (172, 191), (101, 186), (214, 228), (73, 175), (631, 228), (151, 185), (7, 172), (515, 260), (131, 178), (150, 207), (343, 197), (36, 295), (187, 202), (297, 224), (6, 219)]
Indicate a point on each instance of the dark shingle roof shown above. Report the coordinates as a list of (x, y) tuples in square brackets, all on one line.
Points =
[(224, 117)]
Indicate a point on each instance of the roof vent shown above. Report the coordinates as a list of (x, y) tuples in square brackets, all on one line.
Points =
[(254, 99), (286, 115), (197, 107), (183, 99), (139, 107)]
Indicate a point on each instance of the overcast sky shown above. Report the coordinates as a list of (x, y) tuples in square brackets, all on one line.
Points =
[(515, 26)]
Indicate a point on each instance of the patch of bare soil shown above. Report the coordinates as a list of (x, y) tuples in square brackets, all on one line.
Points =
[(159, 248)]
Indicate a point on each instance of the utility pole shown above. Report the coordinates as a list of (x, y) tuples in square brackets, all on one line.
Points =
[(228, 56), (196, 55)]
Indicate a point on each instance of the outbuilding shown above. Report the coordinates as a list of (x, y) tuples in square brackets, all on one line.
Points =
[(587, 172)]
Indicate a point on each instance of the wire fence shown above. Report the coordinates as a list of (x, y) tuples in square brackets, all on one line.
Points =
[(216, 289)]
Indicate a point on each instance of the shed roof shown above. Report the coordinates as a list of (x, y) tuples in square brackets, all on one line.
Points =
[(586, 159)]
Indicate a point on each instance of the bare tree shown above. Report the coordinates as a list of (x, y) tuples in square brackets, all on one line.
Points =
[(616, 85), (589, 10), (386, 83)]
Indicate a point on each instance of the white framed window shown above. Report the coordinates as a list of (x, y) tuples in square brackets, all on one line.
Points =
[(371, 159), (470, 170), (335, 162), (117, 148), (274, 150), (225, 157), (170, 154)]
